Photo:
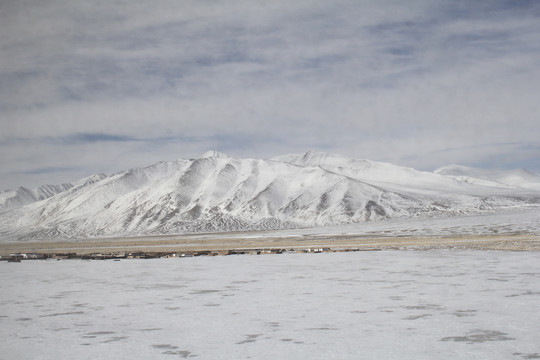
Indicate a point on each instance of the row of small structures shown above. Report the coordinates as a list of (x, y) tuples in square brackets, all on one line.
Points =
[(153, 255)]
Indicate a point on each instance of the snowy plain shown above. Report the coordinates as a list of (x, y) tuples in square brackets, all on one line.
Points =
[(441, 304)]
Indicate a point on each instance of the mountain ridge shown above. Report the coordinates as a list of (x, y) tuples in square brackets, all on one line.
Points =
[(215, 192)]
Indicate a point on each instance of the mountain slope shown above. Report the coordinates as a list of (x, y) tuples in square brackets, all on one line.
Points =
[(11, 199), (498, 178), (217, 193)]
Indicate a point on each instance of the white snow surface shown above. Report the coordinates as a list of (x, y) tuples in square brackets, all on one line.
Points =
[(218, 193), (441, 304)]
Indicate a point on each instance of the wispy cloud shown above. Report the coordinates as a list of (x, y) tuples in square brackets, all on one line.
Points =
[(116, 85), (49, 170), (82, 138)]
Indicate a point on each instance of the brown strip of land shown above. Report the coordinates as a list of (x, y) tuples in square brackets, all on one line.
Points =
[(235, 243)]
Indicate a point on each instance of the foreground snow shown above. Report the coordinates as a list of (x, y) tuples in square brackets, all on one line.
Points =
[(375, 305)]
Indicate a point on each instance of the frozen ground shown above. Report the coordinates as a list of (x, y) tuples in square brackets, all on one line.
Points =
[(371, 305), (518, 221)]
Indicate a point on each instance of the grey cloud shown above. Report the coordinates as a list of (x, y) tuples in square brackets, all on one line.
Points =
[(384, 80), (92, 138), (50, 169)]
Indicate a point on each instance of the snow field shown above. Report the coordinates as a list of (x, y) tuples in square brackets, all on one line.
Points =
[(377, 305)]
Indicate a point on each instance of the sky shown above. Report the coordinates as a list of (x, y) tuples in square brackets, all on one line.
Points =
[(102, 86)]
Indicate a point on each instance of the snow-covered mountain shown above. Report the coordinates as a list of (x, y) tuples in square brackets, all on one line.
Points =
[(217, 193), (499, 178), (10, 199)]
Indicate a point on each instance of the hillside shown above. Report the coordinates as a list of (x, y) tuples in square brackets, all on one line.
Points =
[(215, 192)]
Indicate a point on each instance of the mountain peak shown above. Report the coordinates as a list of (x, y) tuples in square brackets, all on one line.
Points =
[(311, 157), (314, 154), (215, 154), (453, 169)]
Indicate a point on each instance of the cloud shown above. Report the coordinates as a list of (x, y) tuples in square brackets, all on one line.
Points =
[(82, 138), (105, 86), (50, 169)]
